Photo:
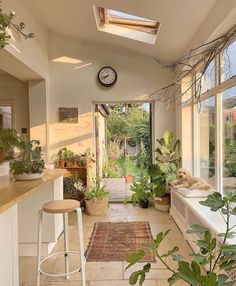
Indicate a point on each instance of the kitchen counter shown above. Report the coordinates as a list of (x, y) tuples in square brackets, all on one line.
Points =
[(14, 192)]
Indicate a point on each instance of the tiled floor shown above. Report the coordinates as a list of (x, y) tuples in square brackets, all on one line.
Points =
[(118, 189), (108, 273)]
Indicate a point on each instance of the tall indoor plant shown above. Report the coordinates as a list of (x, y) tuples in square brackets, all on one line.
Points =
[(164, 169)]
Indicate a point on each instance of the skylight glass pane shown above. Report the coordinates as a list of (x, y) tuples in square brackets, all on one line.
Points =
[(117, 14)]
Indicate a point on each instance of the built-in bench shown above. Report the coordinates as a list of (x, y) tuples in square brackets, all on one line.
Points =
[(188, 211)]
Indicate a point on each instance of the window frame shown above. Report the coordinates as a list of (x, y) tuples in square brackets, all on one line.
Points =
[(216, 91)]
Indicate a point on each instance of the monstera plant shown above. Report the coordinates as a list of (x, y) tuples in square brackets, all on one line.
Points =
[(5, 21)]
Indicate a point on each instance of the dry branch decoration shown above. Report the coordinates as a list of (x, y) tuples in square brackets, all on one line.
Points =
[(193, 65)]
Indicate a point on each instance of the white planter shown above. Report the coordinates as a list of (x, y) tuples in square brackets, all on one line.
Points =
[(162, 204), (28, 177)]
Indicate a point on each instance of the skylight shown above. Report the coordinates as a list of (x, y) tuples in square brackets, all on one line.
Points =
[(126, 25)]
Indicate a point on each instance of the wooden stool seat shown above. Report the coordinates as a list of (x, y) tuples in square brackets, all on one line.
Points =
[(61, 206)]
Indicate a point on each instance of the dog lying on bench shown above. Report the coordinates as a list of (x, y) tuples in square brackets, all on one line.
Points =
[(185, 180)]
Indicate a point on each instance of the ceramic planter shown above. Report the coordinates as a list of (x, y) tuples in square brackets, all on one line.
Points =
[(162, 203), (96, 206), (129, 179), (28, 177), (144, 204)]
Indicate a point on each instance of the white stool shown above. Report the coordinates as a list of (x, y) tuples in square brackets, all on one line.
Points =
[(62, 207)]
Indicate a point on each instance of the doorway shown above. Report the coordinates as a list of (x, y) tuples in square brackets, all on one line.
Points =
[(5, 116), (123, 145)]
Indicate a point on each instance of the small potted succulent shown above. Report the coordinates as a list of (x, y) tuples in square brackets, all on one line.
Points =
[(61, 157), (29, 164), (96, 198)]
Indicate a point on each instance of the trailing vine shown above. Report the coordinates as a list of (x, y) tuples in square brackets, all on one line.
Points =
[(5, 21)]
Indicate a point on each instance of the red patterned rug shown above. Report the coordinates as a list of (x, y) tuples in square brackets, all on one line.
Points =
[(114, 241)]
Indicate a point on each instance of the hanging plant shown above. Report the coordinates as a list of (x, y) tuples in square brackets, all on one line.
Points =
[(5, 21)]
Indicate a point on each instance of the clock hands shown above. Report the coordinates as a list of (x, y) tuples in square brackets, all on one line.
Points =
[(105, 76)]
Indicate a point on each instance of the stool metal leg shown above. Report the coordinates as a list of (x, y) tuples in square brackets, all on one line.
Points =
[(40, 219), (81, 242), (66, 248)]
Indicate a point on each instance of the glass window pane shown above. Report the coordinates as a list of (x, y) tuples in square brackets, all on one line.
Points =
[(228, 62), (207, 140), (186, 89), (229, 139), (209, 78)]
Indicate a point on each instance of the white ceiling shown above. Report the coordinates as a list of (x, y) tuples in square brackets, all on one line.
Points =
[(180, 21)]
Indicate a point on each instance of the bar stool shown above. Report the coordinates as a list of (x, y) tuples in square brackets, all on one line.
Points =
[(62, 207)]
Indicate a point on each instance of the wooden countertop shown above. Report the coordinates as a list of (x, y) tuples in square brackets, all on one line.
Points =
[(13, 192)]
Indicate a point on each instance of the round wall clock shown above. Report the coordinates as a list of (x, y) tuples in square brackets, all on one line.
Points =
[(107, 76)]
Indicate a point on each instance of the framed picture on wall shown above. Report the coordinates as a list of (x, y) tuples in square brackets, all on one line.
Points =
[(68, 114)]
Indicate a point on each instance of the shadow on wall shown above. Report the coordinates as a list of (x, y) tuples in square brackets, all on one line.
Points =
[(75, 136)]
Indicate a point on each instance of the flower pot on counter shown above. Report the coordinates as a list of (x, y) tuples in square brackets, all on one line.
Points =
[(162, 203), (27, 177)]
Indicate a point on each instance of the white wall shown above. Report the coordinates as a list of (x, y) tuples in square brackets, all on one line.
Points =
[(74, 84), (15, 93)]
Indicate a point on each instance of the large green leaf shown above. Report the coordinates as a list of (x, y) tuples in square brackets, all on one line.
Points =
[(135, 257), (214, 202)]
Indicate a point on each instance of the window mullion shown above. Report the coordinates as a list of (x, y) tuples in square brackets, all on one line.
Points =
[(219, 144)]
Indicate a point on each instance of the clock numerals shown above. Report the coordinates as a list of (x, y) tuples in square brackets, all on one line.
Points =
[(107, 76)]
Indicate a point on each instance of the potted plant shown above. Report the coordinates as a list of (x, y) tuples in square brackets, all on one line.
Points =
[(61, 157), (8, 140), (141, 192), (29, 164), (214, 260), (5, 21), (164, 170), (96, 199), (127, 170)]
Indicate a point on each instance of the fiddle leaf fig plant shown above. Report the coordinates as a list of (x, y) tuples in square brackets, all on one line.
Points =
[(5, 21), (216, 255), (167, 161)]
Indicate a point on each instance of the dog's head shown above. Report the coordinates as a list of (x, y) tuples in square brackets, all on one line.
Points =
[(183, 174)]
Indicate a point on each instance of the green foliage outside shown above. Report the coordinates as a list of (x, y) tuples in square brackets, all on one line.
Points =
[(214, 253), (127, 122)]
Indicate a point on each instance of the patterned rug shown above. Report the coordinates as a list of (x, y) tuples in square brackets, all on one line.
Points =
[(114, 241)]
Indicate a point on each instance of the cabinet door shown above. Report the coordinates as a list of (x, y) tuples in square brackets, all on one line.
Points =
[(9, 266)]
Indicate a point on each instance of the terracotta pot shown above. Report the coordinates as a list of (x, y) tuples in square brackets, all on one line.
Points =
[(162, 203), (97, 206), (75, 164), (129, 179), (61, 163), (68, 164)]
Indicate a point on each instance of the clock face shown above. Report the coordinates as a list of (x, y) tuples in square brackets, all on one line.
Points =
[(107, 76)]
